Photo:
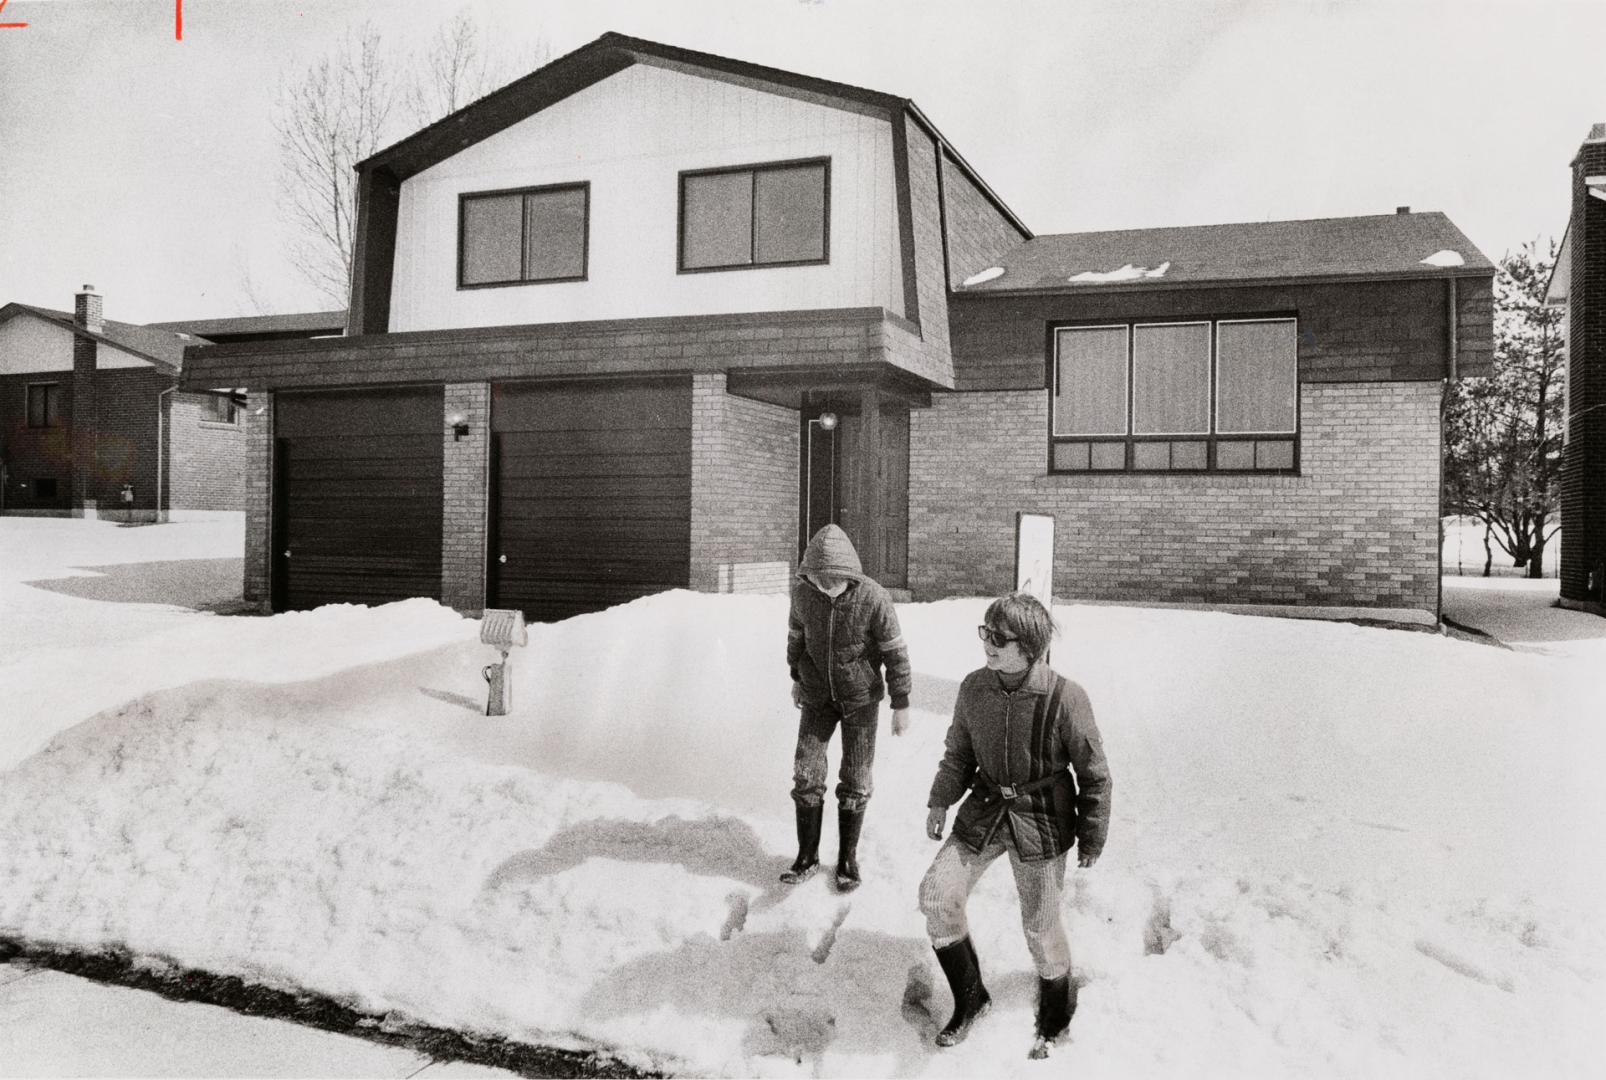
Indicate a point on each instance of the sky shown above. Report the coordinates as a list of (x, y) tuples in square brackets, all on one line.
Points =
[(147, 165), (1335, 851)]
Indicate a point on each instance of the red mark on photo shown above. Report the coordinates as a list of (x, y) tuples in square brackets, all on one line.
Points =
[(19, 25)]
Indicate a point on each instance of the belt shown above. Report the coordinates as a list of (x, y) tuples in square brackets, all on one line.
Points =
[(1005, 794)]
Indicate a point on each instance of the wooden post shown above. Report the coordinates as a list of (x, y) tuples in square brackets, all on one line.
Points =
[(871, 541)]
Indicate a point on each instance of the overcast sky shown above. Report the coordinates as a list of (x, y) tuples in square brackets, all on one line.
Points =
[(147, 165)]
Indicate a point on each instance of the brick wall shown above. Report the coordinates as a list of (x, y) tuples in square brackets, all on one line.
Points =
[(125, 437), (258, 460), (465, 502), (744, 493), (206, 468), (1583, 478), (1358, 528), (34, 453), (978, 234), (85, 422), (1353, 332)]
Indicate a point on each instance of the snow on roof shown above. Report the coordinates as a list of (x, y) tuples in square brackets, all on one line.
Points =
[(1445, 257), (981, 276), (1126, 273)]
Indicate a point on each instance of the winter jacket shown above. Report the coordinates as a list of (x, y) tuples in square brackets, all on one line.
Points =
[(837, 646), (1001, 739)]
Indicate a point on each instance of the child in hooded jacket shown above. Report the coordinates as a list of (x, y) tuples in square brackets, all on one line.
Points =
[(841, 633)]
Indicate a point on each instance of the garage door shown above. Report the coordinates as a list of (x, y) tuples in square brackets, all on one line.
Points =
[(357, 490), (591, 495)]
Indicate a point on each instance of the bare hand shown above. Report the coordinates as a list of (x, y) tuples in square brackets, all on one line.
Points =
[(900, 721), (1083, 859), (797, 695), (935, 820)]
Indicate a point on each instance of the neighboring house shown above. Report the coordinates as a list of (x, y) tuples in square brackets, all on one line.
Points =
[(1579, 283), (647, 318), (92, 422)]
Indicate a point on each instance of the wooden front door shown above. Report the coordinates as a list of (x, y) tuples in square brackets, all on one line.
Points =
[(834, 489)]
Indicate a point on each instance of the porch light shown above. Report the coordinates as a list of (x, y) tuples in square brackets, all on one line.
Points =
[(459, 423), (826, 420)]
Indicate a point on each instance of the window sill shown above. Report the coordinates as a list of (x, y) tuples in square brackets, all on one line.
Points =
[(1060, 481), (219, 424)]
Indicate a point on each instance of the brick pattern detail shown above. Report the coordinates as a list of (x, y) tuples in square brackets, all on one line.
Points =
[(125, 437), (978, 235), (1583, 478), (1354, 332), (465, 497), (85, 421), (744, 491), (1359, 527), (258, 455), (207, 470)]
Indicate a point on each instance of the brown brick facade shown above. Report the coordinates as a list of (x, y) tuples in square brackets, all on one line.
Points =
[(1583, 477), (1358, 528), (206, 458), (744, 495), (32, 454), (465, 502)]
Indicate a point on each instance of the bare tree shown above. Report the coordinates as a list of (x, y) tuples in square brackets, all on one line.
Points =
[(1503, 431), (333, 114), (461, 64)]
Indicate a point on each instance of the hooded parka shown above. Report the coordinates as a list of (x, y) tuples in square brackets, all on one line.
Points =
[(836, 646)]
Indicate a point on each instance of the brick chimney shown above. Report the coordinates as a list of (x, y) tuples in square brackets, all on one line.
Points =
[(85, 423), (87, 309)]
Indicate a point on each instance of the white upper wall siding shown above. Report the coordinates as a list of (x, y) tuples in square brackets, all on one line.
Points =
[(630, 136), (29, 343)]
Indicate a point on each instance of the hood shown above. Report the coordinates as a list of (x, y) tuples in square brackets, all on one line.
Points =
[(832, 552)]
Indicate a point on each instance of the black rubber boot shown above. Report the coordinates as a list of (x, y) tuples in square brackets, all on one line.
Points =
[(1056, 1002), (809, 819), (849, 823), (971, 1000)]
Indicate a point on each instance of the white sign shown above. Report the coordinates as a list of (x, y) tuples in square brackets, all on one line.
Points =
[(1034, 556)]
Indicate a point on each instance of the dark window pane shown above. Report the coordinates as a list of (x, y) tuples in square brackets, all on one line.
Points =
[(45, 488), (717, 220), (491, 238), (789, 214), (1171, 379), (1235, 455), (1151, 455), (1090, 392), (1109, 455), (1257, 376), (217, 409), (555, 234), (1070, 456), (1274, 455), (1189, 455), (44, 405)]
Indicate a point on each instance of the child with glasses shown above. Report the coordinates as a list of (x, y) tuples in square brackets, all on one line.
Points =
[(1024, 745)]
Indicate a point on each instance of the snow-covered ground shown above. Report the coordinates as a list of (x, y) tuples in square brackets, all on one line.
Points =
[(1336, 851)]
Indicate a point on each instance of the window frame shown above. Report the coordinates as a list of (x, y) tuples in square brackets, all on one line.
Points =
[(1212, 438), (753, 169), (234, 410), (27, 405), (463, 199)]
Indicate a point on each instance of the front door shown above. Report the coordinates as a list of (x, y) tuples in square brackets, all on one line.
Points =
[(837, 488)]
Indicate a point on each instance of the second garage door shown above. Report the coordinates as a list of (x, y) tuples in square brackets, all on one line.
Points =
[(591, 494)]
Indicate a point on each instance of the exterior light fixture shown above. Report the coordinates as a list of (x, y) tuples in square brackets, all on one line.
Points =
[(826, 420), (459, 423)]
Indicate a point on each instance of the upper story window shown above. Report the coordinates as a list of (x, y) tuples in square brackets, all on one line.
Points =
[(755, 215), (44, 405), (523, 236), (1209, 395)]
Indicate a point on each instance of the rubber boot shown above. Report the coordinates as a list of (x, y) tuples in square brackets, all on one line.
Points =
[(1056, 1002), (971, 1000), (849, 823), (809, 819)]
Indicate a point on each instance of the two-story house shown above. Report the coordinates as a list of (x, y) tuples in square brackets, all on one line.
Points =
[(647, 318)]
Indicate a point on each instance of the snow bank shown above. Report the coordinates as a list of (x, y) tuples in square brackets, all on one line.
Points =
[(1335, 851)]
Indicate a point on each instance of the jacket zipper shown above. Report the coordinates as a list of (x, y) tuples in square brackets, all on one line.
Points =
[(830, 645)]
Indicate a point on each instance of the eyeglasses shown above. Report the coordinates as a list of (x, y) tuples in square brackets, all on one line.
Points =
[(993, 637)]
